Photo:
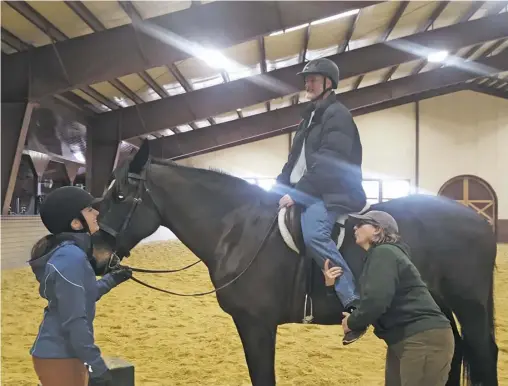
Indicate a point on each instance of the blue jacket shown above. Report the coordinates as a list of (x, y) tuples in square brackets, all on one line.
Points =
[(68, 282)]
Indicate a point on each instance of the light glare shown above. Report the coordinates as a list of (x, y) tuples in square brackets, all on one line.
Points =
[(437, 57)]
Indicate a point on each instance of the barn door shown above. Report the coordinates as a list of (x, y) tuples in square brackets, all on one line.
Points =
[(475, 193)]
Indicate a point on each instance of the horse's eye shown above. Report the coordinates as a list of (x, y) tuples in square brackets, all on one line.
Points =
[(120, 197)]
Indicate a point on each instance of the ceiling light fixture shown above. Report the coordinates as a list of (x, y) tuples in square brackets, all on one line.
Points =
[(437, 56)]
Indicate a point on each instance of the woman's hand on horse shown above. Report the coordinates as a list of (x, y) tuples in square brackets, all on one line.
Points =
[(331, 273)]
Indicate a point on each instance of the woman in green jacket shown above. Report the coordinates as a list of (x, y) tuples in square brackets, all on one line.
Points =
[(396, 301)]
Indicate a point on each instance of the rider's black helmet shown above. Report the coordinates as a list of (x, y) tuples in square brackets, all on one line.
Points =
[(324, 67), (63, 205)]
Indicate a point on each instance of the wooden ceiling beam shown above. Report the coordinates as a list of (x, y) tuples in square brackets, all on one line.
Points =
[(349, 33), (43, 24), (262, 60), (223, 24), (424, 27), (13, 41), (464, 18), (284, 120), (215, 100)]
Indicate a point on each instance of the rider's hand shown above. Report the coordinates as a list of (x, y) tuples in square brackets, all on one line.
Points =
[(121, 274), (286, 200), (331, 273)]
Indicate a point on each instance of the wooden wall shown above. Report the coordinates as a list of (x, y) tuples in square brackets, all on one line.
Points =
[(18, 235)]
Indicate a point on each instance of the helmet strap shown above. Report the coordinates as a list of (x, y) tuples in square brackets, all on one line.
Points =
[(325, 90), (85, 228)]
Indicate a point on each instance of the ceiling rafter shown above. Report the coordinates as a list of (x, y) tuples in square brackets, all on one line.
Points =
[(96, 25), (496, 8), (223, 24), (349, 33), (464, 18), (46, 27), (173, 69), (277, 122), (93, 93), (424, 27), (76, 100), (302, 58), (489, 90), (136, 18), (215, 100), (393, 22), (262, 60), (13, 41), (225, 78)]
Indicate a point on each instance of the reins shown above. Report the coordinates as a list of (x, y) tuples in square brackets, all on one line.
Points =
[(160, 271), (274, 221)]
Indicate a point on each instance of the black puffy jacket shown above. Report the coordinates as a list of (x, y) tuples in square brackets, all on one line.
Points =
[(333, 152)]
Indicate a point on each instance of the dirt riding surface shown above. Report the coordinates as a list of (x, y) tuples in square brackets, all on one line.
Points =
[(190, 341)]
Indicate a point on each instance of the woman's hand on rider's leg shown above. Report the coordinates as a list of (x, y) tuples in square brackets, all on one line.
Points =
[(331, 273)]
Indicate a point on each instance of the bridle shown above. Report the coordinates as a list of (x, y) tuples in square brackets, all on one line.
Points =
[(135, 203)]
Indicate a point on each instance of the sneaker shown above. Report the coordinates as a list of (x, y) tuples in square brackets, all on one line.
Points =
[(352, 336)]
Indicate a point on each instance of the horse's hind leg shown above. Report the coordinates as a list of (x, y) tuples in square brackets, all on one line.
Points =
[(258, 341), (478, 343)]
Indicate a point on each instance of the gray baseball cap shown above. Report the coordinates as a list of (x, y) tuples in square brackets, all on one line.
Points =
[(383, 219)]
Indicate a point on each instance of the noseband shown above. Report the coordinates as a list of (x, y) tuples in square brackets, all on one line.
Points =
[(135, 202)]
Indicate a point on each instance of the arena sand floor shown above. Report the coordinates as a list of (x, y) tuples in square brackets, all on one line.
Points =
[(191, 341)]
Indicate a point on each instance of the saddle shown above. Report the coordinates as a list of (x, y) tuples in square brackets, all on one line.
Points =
[(290, 228)]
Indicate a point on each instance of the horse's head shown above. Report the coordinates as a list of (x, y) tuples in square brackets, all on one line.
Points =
[(128, 213)]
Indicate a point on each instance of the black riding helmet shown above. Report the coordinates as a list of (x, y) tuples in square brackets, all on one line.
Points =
[(63, 205), (324, 67)]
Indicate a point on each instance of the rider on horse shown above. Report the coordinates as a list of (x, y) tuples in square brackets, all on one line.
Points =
[(324, 173)]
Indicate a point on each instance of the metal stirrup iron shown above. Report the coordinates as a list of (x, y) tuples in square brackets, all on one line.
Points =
[(307, 319)]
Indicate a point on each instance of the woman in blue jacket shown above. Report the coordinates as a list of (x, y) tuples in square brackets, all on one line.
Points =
[(65, 264)]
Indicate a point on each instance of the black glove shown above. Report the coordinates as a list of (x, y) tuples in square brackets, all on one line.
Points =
[(121, 274), (105, 379)]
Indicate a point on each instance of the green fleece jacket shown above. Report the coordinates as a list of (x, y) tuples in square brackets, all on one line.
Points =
[(393, 297)]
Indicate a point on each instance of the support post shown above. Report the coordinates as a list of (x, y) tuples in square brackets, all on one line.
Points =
[(417, 147), (40, 162), (101, 159), (15, 122)]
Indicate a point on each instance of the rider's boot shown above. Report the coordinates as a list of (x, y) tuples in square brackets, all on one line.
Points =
[(353, 335)]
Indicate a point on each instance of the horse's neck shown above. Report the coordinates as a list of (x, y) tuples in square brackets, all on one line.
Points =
[(199, 212)]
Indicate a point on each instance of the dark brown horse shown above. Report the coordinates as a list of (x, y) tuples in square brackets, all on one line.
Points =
[(227, 223)]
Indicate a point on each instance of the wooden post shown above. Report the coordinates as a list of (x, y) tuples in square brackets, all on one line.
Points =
[(15, 121)]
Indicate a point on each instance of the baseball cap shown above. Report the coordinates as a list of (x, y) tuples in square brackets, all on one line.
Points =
[(383, 219)]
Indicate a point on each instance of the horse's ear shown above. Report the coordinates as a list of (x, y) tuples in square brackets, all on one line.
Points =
[(140, 159)]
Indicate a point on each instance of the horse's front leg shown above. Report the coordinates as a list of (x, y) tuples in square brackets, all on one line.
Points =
[(258, 339)]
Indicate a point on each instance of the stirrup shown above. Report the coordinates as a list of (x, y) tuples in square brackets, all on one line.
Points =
[(307, 318)]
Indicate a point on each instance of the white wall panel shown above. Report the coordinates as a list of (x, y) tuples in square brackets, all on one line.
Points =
[(465, 133), (263, 158), (388, 139)]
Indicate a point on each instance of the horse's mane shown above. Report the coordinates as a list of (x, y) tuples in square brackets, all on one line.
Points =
[(220, 179)]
